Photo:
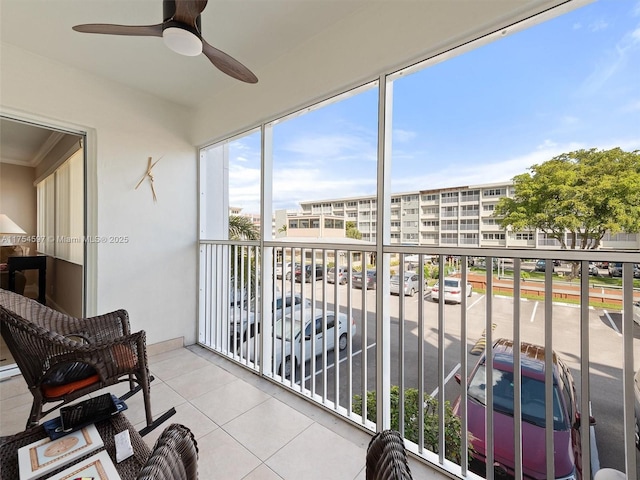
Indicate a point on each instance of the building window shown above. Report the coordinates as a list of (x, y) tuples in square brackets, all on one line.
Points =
[(395, 224), (524, 236), (395, 236), (493, 236), (429, 198), (352, 204), (449, 225), (494, 192), (449, 211), (430, 223), (449, 197), (430, 210), (410, 236), (411, 224), (411, 211), (488, 208), (449, 238), (395, 199)]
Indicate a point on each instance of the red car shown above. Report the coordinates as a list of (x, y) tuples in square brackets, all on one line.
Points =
[(566, 416)]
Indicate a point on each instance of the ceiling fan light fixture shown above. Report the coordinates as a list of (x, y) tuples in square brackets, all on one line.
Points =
[(182, 41)]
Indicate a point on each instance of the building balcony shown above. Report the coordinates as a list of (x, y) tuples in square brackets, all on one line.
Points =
[(337, 379), (245, 426)]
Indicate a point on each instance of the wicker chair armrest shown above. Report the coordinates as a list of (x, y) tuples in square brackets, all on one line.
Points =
[(126, 354), (97, 329)]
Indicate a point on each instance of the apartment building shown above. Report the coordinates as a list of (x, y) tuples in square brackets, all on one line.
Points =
[(456, 216)]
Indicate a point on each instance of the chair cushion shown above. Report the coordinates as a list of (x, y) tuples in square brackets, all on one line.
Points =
[(68, 377), (67, 388)]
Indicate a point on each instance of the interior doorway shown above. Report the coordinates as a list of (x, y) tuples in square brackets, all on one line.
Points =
[(42, 195)]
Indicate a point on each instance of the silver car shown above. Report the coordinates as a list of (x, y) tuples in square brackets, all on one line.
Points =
[(342, 275), (411, 284), (243, 320)]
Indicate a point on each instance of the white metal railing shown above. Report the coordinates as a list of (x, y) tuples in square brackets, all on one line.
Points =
[(586, 322)]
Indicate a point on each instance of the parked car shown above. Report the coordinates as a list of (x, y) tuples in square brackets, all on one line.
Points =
[(342, 275), (541, 266), (636, 270), (309, 273), (284, 270), (615, 269), (243, 320), (452, 290), (636, 389), (411, 284), (566, 414), (636, 312), (371, 278), (291, 327)]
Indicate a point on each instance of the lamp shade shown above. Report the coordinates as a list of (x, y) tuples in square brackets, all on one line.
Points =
[(8, 226)]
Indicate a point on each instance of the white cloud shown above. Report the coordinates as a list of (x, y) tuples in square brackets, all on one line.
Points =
[(598, 25), (617, 59), (547, 144), (402, 136)]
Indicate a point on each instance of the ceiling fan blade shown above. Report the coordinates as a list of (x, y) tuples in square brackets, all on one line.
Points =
[(187, 11), (111, 29), (227, 64)]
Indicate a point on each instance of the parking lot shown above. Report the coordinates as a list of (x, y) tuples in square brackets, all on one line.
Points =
[(605, 355)]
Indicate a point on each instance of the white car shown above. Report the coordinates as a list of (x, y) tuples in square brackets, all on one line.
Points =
[(411, 284), (242, 320), (452, 290), (285, 325)]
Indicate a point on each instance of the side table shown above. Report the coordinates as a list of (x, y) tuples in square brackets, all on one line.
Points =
[(127, 469)]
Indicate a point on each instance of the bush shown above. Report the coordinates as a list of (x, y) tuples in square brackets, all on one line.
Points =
[(452, 423)]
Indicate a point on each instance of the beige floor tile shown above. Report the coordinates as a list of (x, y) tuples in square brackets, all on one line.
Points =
[(318, 453), (263, 473), (187, 415), (229, 401), (162, 399), (13, 386), (268, 427), (177, 365), (222, 457), (200, 381)]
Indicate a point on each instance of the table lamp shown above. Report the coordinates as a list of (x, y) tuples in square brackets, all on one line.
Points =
[(8, 231)]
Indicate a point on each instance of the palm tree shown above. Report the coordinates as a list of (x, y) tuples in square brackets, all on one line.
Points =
[(242, 228)]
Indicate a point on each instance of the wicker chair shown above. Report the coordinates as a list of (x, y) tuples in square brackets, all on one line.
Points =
[(174, 456), (64, 358), (387, 457)]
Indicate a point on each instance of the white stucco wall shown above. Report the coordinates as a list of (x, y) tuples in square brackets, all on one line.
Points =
[(152, 275)]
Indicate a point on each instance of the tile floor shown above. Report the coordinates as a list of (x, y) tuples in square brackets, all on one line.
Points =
[(246, 427)]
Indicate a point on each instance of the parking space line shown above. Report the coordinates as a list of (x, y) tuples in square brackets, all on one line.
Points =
[(446, 380), (330, 365), (613, 325), (474, 303), (533, 313)]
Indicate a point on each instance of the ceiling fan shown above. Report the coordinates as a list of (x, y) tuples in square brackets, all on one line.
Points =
[(181, 32)]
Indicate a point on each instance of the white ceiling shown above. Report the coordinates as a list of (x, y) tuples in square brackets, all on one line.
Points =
[(25, 144), (299, 49), (255, 32)]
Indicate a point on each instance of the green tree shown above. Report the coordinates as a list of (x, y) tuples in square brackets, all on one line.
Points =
[(242, 228), (452, 423), (585, 193), (351, 231)]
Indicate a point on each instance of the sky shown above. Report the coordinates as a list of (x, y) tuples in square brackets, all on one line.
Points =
[(482, 117)]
